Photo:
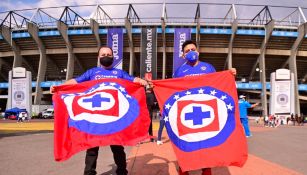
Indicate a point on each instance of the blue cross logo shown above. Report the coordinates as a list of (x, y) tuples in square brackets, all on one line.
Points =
[(197, 115), (96, 100)]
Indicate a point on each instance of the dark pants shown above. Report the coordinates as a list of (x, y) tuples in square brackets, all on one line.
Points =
[(150, 126), (119, 156), (162, 123), (19, 119)]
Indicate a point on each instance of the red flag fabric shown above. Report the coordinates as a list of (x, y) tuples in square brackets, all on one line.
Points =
[(202, 120), (98, 113)]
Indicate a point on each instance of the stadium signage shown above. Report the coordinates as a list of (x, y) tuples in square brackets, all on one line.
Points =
[(115, 46), (115, 41), (149, 50), (182, 39), (149, 53), (181, 35)]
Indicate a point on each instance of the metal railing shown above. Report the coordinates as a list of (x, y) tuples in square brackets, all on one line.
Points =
[(145, 14)]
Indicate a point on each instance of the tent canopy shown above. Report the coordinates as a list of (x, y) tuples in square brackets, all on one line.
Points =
[(15, 111)]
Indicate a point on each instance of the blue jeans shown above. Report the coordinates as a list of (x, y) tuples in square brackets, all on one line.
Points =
[(244, 122), (162, 123)]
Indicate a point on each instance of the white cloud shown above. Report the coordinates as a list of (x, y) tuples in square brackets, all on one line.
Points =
[(8, 5)]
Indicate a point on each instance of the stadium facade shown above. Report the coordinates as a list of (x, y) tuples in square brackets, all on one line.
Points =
[(59, 43)]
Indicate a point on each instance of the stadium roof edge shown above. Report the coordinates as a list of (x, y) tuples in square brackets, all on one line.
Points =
[(181, 20), (157, 3)]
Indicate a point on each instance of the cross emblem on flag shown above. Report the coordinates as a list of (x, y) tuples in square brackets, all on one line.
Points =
[(96, 100), (197, 115)]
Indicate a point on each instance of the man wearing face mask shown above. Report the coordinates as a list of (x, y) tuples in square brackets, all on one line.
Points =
[(194, 67), (104, 70)]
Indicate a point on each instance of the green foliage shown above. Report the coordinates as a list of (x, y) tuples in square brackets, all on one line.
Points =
[(34, 115)]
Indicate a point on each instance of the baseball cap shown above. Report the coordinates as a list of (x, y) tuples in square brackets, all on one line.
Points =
[(242, 96)]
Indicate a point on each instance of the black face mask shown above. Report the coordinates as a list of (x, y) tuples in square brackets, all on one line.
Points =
[(106, 61)]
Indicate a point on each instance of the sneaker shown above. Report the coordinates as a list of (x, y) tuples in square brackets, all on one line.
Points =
[(159, 142)]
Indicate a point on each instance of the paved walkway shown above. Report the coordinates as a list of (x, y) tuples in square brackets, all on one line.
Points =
[(150, 158), (279, 151)]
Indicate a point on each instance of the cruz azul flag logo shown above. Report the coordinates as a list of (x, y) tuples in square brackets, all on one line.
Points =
[(201, 119), (100, 112)]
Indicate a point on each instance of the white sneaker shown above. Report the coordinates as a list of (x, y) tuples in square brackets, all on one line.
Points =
[(159, 142)]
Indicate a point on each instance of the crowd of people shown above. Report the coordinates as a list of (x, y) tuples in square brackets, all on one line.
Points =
[(277, 120)]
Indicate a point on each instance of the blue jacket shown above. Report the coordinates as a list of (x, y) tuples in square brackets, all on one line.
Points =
[(243, 106)]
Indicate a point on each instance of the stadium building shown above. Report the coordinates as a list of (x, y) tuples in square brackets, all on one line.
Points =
[(59, 43)]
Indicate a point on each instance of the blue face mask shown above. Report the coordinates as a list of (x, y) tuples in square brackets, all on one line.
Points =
[(192, 56)]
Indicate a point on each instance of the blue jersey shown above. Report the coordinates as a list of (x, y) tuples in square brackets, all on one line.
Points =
[(243, 105), (99, 72), (188, 70)]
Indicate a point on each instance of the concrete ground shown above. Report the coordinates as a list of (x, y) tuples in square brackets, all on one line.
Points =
[(27, 148)]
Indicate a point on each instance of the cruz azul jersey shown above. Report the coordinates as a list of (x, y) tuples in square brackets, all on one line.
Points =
[(98, 113), (97, 73), (202, 120), (188, 70)]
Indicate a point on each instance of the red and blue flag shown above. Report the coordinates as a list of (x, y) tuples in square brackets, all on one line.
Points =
[(202, 120), (98, 113)]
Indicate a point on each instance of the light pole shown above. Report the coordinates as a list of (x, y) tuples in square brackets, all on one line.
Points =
[(261, 94)]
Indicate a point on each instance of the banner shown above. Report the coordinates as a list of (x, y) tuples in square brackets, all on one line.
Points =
[(115, 41), (180, 36), (202, 120), (282, 97), (98, 113), (282, 93), (149, 53), (19, 93)]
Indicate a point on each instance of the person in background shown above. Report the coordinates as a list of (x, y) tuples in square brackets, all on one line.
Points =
[(27, 116), (266, 121), (302, 119), (23, 116), (19, 117), (104, 70), (272, 121), (292, 119), (150, 99), (243, 106), (161, 126), (296, 119)]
